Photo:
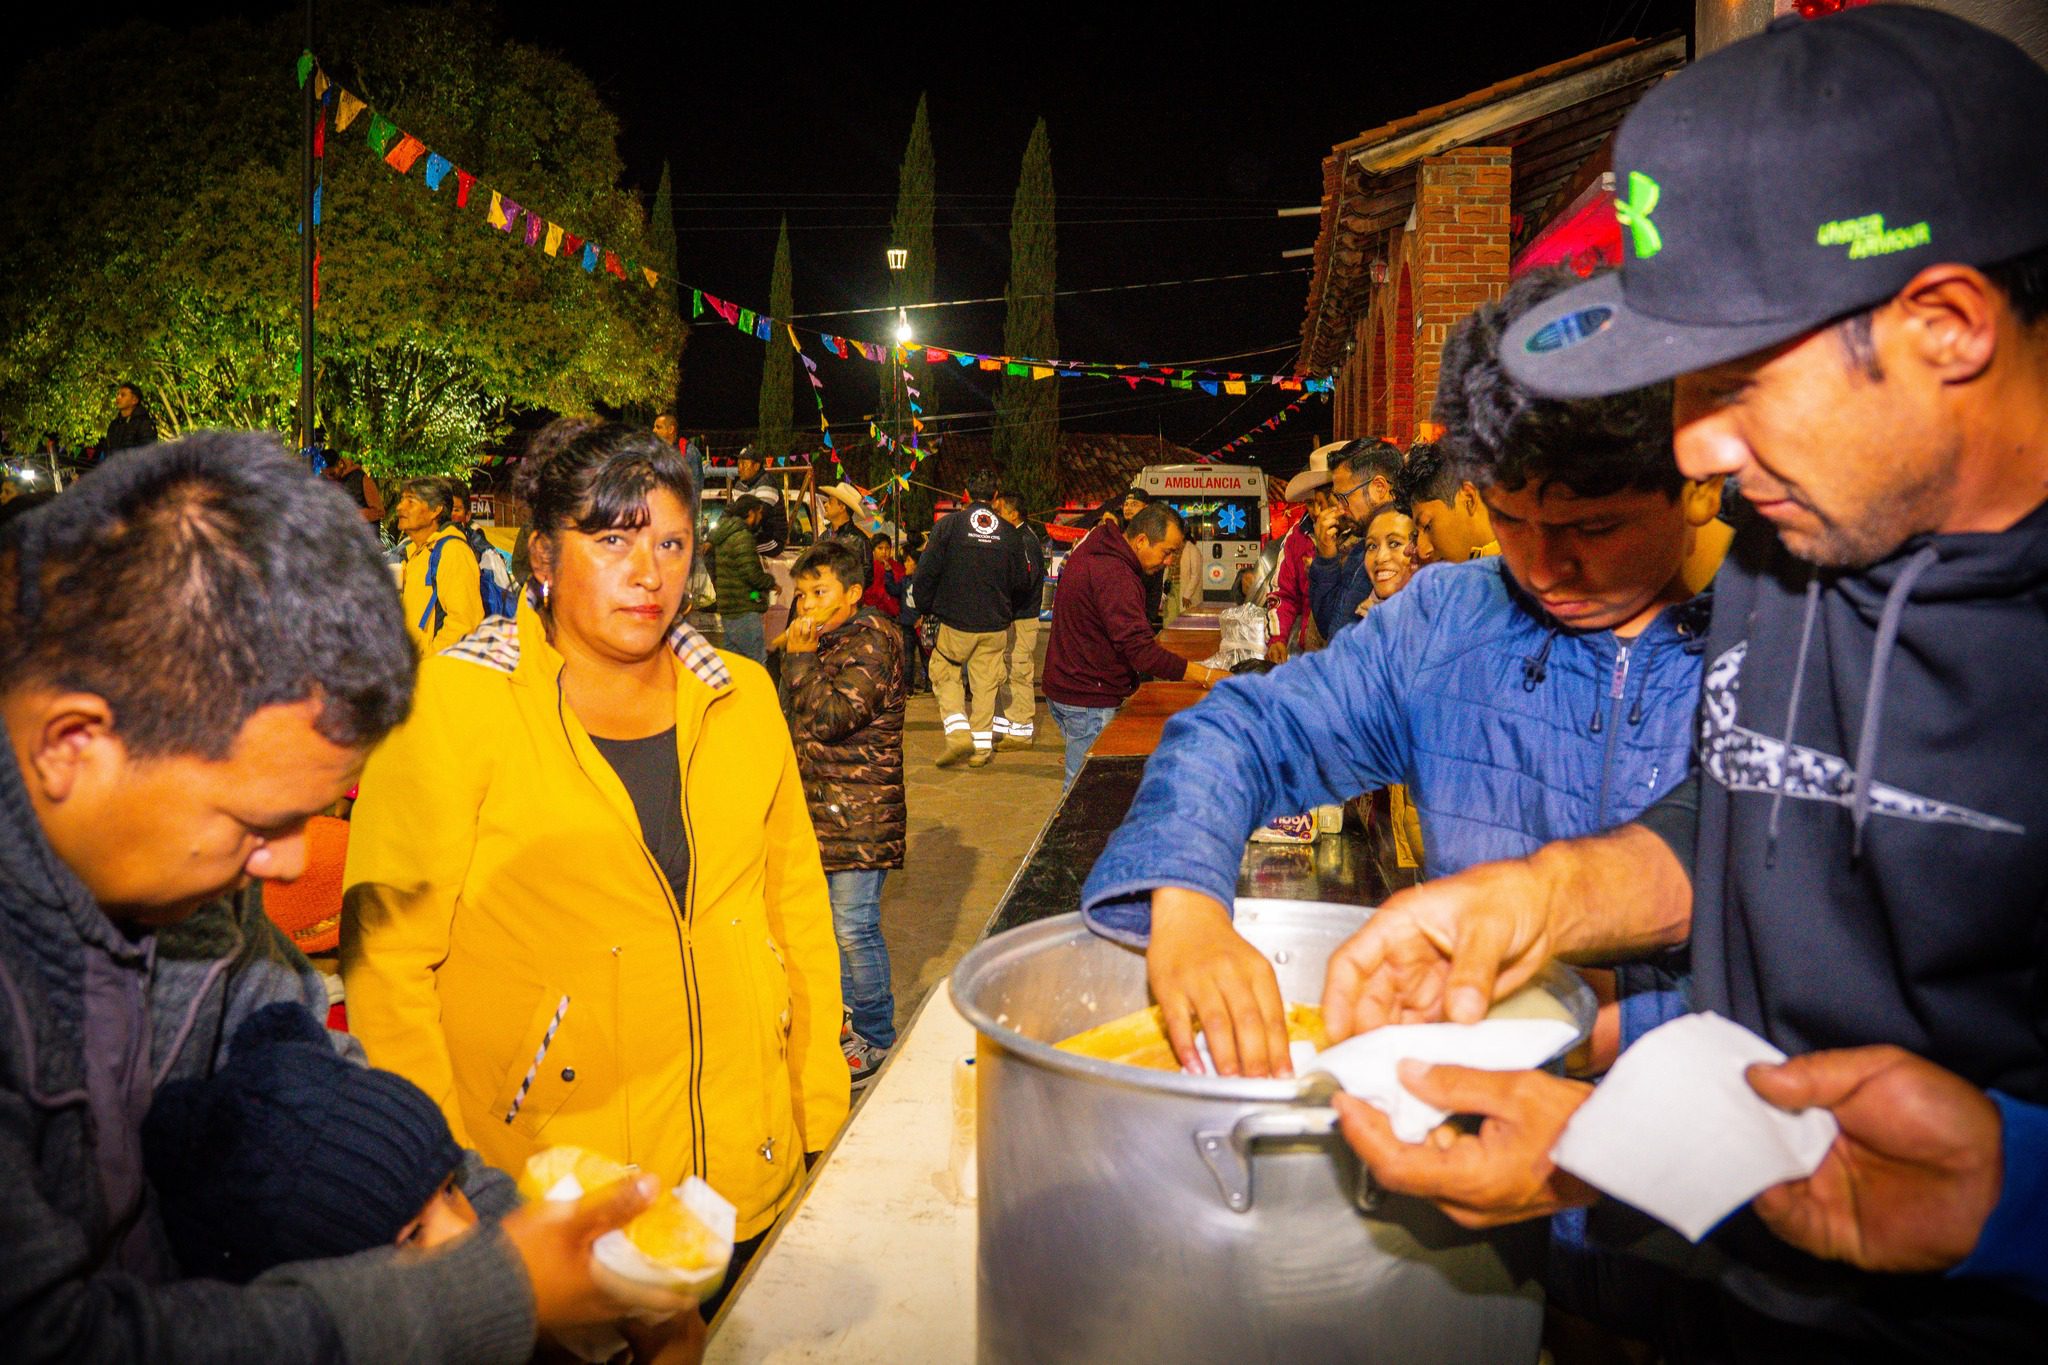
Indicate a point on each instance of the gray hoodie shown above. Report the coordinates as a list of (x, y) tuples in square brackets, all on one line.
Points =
[(91, 1022)]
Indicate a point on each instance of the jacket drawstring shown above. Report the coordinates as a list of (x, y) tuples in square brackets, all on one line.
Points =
[(1635, 712), (1536, 667), (1792, 705), (1873, 696)]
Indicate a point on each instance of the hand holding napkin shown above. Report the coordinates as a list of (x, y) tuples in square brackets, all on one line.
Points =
[(1676, 1130)]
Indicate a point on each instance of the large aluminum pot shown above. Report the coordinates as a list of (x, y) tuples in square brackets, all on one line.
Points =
[(1131, 1215)]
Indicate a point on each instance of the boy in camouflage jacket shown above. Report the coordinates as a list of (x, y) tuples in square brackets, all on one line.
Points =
[(847, 680)]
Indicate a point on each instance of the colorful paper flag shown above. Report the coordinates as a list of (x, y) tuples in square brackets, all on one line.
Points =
[(1233, 386), (572, 245), (345, 111), (401, 157), (1013, 368), (1209, 386), (305, 68), (696, 303), (651, 276), (935, 355), (464, 182), (553, 245), (382, 130), (497, 212), (1041, 371), (989, 362), (746, 323), (612, 266), (589, 257), (796, 345), (533, 229), (321, 85), (438, 167)]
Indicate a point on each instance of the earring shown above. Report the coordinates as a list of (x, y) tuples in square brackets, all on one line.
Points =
[(545, 592)]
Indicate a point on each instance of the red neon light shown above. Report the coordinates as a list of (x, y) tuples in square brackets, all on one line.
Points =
[(1585, 240)]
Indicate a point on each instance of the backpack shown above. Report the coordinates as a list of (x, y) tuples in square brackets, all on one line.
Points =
[(494, 584)]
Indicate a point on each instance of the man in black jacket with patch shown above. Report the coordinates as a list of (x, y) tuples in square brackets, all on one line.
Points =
[(974, 572)]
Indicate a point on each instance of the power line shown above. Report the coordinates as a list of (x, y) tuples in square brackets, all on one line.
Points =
[(1262, 217), (1062, 294)]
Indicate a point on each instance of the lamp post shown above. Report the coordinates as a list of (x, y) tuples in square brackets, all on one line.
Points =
[(899, 261)]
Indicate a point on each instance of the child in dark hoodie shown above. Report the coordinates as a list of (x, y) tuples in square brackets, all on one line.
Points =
[(291, 1153)]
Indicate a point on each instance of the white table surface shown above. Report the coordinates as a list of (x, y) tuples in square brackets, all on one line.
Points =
[(877, 1262)]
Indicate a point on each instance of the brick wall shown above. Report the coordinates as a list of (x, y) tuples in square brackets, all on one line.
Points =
[(1460, 253), (1401, 379), (1454, 259)]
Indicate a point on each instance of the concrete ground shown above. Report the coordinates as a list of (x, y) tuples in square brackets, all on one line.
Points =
[(969, 830)]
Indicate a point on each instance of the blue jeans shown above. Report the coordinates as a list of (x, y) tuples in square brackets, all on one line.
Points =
[(744, 635), (863, 957), (1079, 725)]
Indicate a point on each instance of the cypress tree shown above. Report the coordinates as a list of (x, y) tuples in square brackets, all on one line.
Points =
[(775, 435), (661, 227), (911, 229), (661, 254), (1027, 425)]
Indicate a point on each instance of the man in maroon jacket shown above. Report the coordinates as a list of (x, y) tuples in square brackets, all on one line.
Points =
[(1101, 642)]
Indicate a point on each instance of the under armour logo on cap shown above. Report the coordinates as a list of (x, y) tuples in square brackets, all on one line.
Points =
[(1634, 213)]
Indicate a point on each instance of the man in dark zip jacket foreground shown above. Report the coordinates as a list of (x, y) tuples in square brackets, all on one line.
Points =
[(1838, 247), (198, 647)]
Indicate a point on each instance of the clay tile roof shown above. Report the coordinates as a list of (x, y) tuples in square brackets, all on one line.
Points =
[(1554, 118)]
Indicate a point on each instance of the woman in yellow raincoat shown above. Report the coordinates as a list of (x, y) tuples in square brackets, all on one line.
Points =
[(584, 901)]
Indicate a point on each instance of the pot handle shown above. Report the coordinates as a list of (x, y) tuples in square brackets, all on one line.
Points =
[(1228, 1151)]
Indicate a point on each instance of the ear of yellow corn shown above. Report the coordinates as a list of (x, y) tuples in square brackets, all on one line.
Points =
[(1139, 1038)]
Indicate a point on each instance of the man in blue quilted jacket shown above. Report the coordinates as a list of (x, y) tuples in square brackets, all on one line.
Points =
[(1546, 692)]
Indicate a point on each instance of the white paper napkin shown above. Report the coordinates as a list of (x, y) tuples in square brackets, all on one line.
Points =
[(1364, 1065), (1676, 1131)]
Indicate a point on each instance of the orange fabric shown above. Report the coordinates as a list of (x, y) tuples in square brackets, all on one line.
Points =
[(309, 909)]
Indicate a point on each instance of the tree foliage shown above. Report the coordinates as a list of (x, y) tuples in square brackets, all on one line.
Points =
[(153, 228), (1027, 422), (776, 434), (910, 228)]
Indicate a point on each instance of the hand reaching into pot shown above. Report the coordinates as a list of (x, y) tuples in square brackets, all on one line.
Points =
[(1205, 977)]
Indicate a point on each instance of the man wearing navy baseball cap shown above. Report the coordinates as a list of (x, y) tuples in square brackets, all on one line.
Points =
[(1837, 246)]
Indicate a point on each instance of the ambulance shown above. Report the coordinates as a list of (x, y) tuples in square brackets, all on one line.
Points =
[(1223, 508)]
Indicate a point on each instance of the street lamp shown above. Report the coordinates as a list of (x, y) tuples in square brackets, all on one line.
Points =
[(903, 333), (899, 258)]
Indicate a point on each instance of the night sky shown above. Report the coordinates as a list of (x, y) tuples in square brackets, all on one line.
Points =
[(1176, 134)]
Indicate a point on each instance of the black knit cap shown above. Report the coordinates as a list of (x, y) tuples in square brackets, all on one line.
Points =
[(290, 1153)]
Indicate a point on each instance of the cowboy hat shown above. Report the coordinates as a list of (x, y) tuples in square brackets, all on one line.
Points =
[(1317, 475), (855, 500)]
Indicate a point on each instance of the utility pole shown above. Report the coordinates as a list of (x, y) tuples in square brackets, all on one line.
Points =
[(307, 185)]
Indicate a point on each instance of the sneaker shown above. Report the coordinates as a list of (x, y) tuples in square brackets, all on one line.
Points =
[(958, 750), (845, 1027), (982, 758), (1008, 742), (863, 1059)]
